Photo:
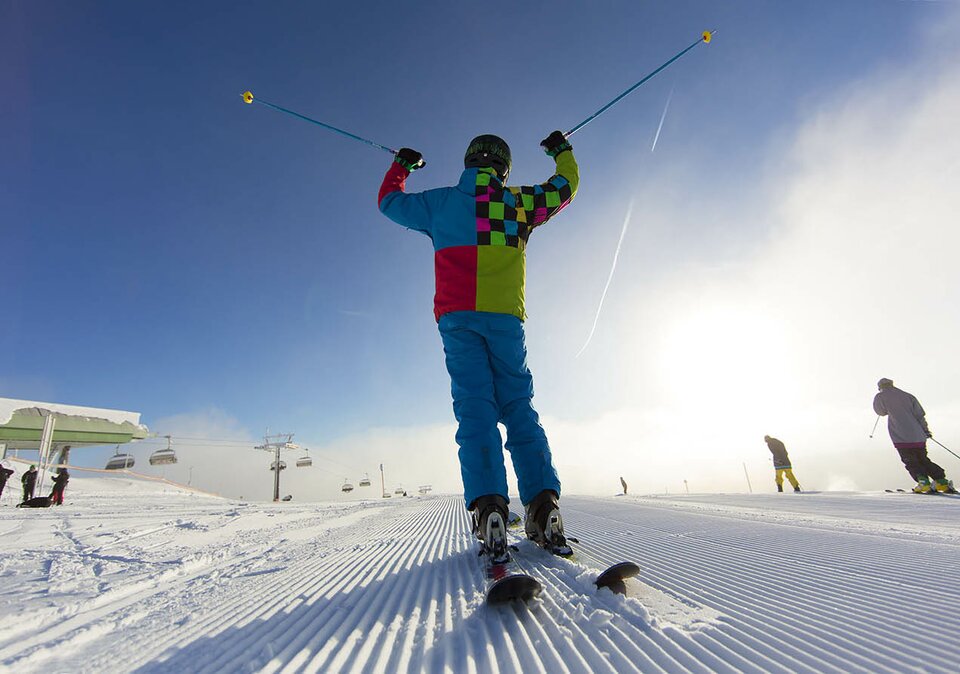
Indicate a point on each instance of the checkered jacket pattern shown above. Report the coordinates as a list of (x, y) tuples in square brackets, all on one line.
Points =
[(480, 230)]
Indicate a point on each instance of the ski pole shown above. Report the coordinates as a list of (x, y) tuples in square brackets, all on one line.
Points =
[(705, 38), (248, 98), (875, 426), (945, 447)]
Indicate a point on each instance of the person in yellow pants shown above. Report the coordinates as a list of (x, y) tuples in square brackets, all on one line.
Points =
[(781, 463)]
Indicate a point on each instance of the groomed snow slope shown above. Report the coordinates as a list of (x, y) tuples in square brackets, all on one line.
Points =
[(134, 577)]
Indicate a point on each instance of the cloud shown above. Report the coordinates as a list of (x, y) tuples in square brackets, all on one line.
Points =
[(851, 276)]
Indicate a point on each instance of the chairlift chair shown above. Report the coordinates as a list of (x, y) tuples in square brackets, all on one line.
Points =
[(283, 465), (163, 456), (120, 461), (365, 480), (424, 488), (347, 487), (304, 461), (398, 490)]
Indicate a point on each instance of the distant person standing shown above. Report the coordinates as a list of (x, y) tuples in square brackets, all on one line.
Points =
[(5, 474), (59, 484), (907, 424), (781, 463), (29, 482), (624, 483)]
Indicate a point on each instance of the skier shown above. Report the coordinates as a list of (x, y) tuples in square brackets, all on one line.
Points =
[(781, 463), (5, 474), (907, 424), (59, 484), (480, 229), (29, 481), (624, 483)]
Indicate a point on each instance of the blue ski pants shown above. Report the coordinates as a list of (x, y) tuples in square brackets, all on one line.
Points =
[(486, 357)]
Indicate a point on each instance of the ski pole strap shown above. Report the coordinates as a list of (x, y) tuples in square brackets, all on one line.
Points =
[(706, 37), (248, 98)]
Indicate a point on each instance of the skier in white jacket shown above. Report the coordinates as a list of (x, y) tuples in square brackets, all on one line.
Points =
[(907, 424)]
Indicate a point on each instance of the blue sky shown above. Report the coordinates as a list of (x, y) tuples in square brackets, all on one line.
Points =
[(172, 251)]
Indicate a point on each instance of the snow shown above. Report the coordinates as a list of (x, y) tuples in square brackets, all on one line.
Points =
[(8, 406), (137, 576)]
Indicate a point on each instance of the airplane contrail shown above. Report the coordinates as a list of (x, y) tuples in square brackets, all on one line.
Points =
[(616, 255), (662, 117)]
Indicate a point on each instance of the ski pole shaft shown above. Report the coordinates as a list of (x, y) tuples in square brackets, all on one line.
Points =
[(875, 426), (945, 447), (248, 98), (705, 38)]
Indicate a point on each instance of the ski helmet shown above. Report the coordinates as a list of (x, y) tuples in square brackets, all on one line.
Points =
[(489, 151), (884, 383)]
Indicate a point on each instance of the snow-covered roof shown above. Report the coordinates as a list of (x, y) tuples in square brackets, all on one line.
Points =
[(21, 422)]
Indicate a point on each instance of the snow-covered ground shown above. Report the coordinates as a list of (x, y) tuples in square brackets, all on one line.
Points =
[(133, 576)]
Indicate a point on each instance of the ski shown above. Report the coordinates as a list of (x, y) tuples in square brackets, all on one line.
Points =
[(505, 580), (933, 492), (612, 577)]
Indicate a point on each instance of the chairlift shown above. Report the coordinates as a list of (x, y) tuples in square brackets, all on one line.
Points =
[(120, 461), (283, 465), (398, 490), (365, 480), (347, 487), (304, 461), (163, 456), (424, 488)]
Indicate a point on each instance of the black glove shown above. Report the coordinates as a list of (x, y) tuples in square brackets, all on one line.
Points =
[(929, 434), (555, 143), (409, 159)]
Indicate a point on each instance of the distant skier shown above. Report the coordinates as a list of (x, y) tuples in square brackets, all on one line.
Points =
[(480, 229), (29, 481), (5, 474), (624, 483), (907, 424), (781, 463), (59, 484)]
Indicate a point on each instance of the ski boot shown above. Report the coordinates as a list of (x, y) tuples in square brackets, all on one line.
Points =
[(490, 527), (779, 487), (923, 486), (544, 526), (945, 486), (797, 489)]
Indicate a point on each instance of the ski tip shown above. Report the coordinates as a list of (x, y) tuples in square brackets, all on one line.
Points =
[(515, 587), (613, 578), (247, 97), (707, 36)]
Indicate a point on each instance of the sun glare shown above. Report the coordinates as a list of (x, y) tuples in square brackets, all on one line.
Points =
[(724, 363)]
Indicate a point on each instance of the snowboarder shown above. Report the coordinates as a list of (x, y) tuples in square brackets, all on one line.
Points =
[(907, 424), (480, 229), (781, 463), (5, 474), (29, 481), (624, 483), (59, 484)]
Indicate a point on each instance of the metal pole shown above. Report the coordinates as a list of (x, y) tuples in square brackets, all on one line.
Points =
[(875, 426), (945, 447), (705, 37), (749, 486), (276, 476), (46, 437), (248, 98), (383, 487)]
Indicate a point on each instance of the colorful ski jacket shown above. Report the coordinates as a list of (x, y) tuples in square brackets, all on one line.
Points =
[(907, 422), (479, 230)]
